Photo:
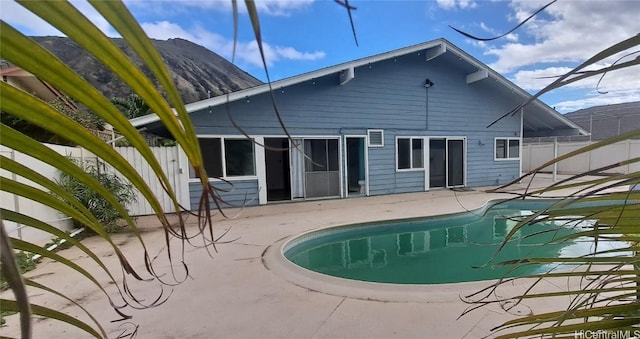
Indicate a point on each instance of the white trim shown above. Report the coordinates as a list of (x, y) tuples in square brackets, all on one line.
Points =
[(261, 169), (366, 170), (446, 159), (477, 75), (347, 75), (230, 179), (427, 164), (521, 134), (223, 154), (431, 49), (436, 52), (464, 160), (495, 147), (411, 169), (340, 167), (369, 131), (291, 150)]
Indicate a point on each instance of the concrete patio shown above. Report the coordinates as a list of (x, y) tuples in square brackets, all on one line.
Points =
[(244, 291)]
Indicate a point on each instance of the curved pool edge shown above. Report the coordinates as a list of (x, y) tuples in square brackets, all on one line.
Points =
[(274, 260)]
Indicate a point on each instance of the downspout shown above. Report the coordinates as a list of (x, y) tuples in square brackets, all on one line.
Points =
[(555, 156), (520, 143)]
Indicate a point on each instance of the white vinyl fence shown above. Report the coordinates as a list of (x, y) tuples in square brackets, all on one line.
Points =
[(172, 160), (175, 166), (535, 155)]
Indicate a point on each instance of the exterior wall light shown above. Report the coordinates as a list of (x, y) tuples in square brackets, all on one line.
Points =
[(428, 84)]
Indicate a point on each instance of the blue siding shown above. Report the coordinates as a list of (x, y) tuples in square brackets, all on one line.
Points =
[(383, 177), (240, 193), (387, 95)]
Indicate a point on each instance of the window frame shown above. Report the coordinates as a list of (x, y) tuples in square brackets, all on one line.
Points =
[(507, 141), (411, 160), (369, 131), (223, 159)]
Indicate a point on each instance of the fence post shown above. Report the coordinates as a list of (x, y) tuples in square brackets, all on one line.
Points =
[(16, 198)]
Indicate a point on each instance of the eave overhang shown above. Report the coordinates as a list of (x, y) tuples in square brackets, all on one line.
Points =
[(346, 72)]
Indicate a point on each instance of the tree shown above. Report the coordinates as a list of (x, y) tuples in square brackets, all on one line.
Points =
[(76, 112), (132, 106)]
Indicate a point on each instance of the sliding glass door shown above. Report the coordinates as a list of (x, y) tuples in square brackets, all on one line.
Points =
[(446, 162), (316, 172), (455, 162)]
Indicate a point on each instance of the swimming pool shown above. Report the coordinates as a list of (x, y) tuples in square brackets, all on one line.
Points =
[(435, 250)]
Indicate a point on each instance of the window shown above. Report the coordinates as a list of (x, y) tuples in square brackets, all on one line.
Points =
[(410, 153), (507, 148), (211, 149), (238, 157), (321, 155), (375, 137)]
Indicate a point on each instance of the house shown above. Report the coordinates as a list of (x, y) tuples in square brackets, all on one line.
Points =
[(19, 78), (409, 120), (603, 122)]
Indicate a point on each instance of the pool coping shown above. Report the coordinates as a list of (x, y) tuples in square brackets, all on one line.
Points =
[(274, 260)]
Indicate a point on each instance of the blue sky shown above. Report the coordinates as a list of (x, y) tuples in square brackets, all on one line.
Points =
[(305, 35)]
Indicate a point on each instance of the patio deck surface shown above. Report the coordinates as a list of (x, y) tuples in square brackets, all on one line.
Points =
[(242, 291)]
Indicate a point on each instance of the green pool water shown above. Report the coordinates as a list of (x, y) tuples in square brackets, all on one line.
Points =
[(444, 249)]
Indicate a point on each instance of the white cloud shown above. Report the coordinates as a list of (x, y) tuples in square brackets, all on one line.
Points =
[(539, 78), (512, 37), (25, 21), (30, 24), (453, 4), (247, 52), (596, 100), (566, 34), (267, 7), (292, 54), (568, 31), (615, 81)]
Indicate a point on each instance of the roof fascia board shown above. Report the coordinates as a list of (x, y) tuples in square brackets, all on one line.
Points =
[(556, 132), (498, 77), (435, 48), (568, 121), (233, 96), (308, 76)]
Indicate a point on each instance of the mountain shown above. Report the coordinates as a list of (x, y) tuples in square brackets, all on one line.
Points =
[(198, 72)]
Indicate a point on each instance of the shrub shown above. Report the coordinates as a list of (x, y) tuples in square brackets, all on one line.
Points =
[(100, 207)]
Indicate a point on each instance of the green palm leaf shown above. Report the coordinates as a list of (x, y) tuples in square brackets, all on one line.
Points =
[(25, 53)]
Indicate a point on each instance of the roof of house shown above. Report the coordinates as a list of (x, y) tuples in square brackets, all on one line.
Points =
[(28, 82), (539, 118), (621, 110), (607, 120)]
